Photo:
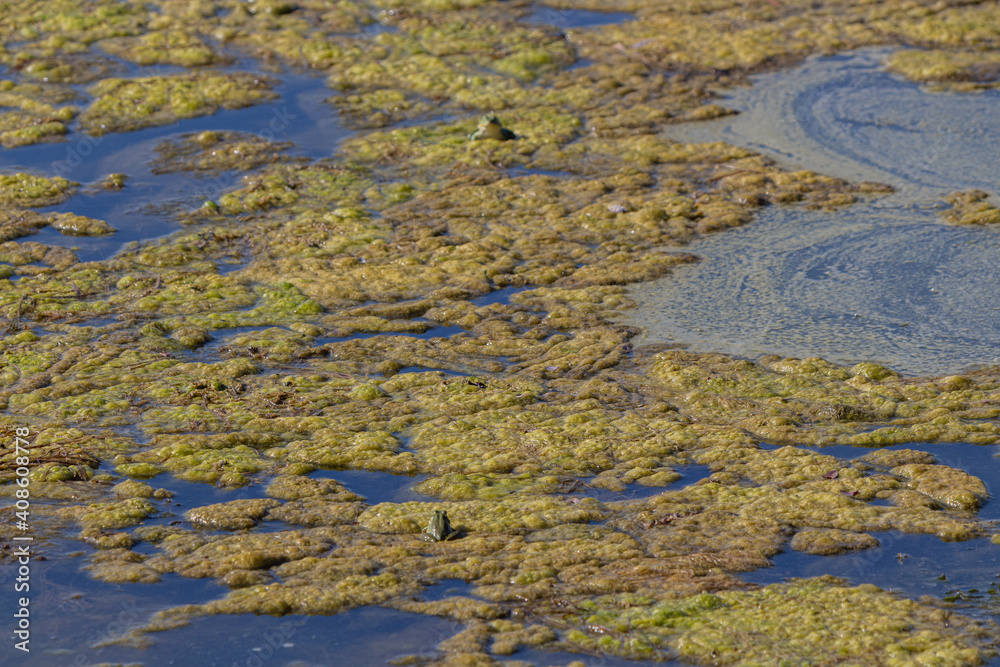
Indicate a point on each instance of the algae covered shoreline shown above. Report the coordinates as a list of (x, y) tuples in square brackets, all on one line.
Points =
[(432, 300)]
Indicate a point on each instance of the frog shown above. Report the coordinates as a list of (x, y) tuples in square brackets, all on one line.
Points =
[(490, 128), (439, 529)]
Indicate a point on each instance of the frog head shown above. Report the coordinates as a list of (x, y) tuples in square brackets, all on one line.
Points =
[(490, 128)]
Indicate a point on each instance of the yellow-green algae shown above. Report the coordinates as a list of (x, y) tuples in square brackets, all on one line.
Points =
[(832, 623), (130, 104), (972, 207), (80, 225), (34, 113), (396, 233), (212, 152), (21, 189)]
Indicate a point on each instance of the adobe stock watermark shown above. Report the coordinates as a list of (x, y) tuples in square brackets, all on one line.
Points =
[(22, 540), (76, 153), (84, 145)]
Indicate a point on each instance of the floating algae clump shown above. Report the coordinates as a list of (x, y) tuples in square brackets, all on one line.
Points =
[(213, 152), (122, 105), (22, 189), (972, 208), (80, 225)]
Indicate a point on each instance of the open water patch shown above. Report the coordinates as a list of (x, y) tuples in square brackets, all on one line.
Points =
[(191, 495), (357, 637), (71, 612), (915, 564), (146, 206), (575, 18), (848, 116), (376, 487), (438, 331), (869, 282), (690, 474), (884, 280), (982, 461)]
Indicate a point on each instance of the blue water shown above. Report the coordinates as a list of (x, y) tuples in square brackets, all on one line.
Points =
[(575, 18), (143, 208)]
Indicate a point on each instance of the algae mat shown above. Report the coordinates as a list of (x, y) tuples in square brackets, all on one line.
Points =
[(310, 321)]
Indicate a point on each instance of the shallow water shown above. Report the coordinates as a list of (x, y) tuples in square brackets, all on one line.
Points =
[(886, 284), (575, 18), (916, 565), (356, 637), (142, 209), (884, 280), (377, 487), (847, 116)]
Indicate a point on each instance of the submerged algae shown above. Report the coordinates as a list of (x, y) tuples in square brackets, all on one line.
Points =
[(214, 152)]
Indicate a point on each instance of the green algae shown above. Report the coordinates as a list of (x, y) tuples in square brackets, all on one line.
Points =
[(80, 225), (402, 228), (831, 542), (506, 516), (35, 114), (121, 105), (971, 208), (161, 47), (833, 622), (213, 152), (21, 189)]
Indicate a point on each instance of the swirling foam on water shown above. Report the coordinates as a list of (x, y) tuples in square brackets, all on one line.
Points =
[(886, 280)]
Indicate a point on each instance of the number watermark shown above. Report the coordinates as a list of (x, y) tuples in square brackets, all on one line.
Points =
[(22, 540)]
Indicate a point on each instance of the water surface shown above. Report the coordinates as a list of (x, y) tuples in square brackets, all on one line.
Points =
[(885, 280)]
